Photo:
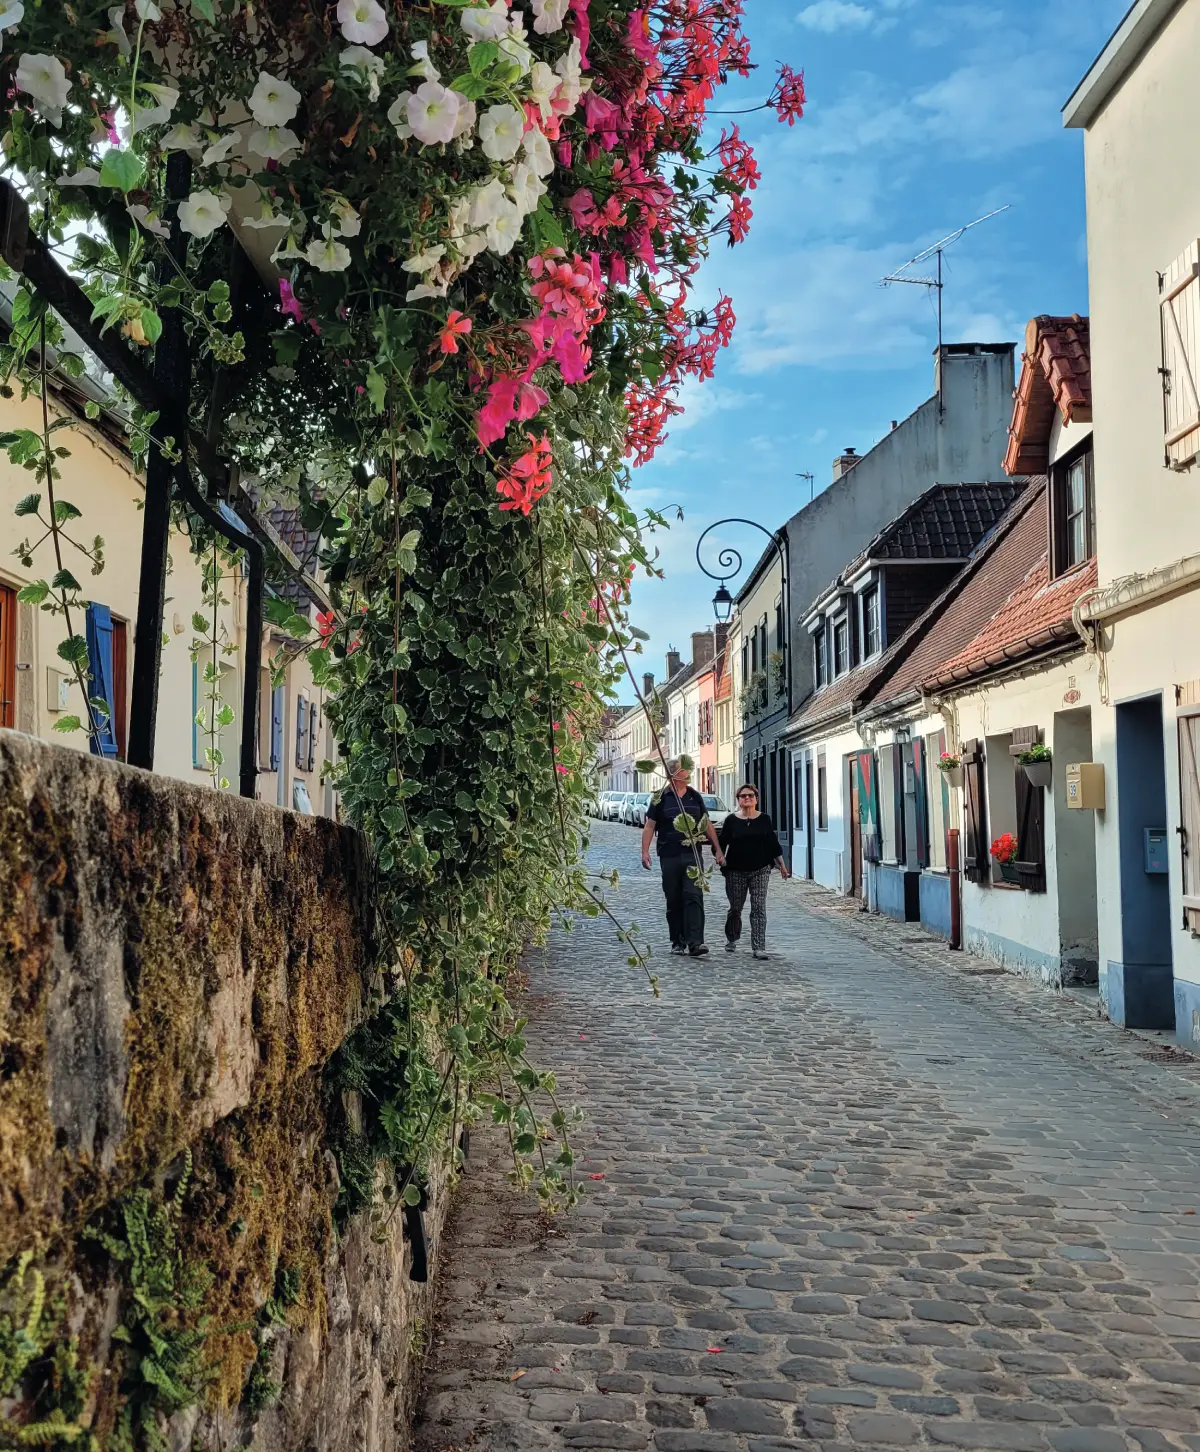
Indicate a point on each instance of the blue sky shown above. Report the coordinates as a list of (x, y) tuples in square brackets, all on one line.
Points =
[(922, 115)]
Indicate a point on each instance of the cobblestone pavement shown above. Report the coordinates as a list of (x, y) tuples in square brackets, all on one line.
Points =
[(855, 1196)]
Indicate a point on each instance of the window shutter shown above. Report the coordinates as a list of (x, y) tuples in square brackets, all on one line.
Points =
[(103, 739), (975, 857), (276, 727), (1180, 293), (922, 803), (312, 737), (898, 802), (1031, 817), (301, 733), (1189, 800), (868, 806)]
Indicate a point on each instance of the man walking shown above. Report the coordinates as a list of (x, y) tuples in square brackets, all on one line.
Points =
[(685, 896)]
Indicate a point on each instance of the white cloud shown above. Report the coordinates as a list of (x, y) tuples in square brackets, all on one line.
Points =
[(829, 16)]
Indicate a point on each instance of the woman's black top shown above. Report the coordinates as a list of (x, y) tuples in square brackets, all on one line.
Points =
[(749, 844)]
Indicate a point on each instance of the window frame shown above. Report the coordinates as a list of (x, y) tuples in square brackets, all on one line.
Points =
[(842, 623), (871, 596), (822, 793), (820, 657), (8, 656), (1059, 518)]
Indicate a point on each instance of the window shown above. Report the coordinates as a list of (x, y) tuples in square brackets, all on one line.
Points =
[(822, 794), (820, 661), (1071, 510), (888, 837), (745, 663), (779, 637), (841, 648), (1179, 290), (1188, 697), (99, 627), (8, 655), (301, 733), (872, 636), (313, 719)]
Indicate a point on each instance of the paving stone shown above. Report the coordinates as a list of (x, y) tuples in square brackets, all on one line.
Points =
[(925, 1406), (739, 1414), (885, 1427), (894, 1377), (606, 1434), (1002, 1436)]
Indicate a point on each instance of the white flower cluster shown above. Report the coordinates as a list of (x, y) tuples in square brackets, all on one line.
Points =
[(490, 215)]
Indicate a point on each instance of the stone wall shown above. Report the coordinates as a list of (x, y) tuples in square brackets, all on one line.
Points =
[(177, 969)]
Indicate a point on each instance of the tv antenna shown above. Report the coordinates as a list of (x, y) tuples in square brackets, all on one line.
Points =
[(809, 477), (900, 274)]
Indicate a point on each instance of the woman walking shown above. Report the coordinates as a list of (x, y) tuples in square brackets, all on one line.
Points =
[(751, 847)]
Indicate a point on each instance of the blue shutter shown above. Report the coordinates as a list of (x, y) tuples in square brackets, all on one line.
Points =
[(103, 740), (276, 727), (301, 732), (312, 738)]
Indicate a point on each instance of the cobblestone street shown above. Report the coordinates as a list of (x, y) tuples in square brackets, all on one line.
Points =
[(859, 1195)]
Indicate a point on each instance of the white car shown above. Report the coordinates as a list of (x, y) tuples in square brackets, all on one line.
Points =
[(611, 806), (717, 810), (635, 814)]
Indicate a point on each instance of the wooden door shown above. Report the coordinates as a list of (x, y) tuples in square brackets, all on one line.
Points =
[(8, 656), (810, 820)]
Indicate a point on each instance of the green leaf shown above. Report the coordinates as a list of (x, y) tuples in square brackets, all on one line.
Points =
[(64, 580), (34, 594), (28, 505), (121, 169), (64, 510), (481, 55), (71, 364), (68, 723), (74, 651), (470, 86), (376, 389), (199, 623), (151, 325), (412, 1195), (376, 490), (205, 7)]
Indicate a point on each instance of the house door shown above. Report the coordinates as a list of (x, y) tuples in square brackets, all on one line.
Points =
[(1141, 988), (8, 656), (855, 817), (810, 824)]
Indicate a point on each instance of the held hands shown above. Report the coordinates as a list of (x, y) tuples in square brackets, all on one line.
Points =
[(719, 857)]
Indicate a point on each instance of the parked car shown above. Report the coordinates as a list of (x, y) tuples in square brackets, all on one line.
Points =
[(717, 810), (600, 809), (625, 807), (612, 806), (637, 812)]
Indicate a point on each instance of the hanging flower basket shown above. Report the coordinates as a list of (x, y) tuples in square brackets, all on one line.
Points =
[(1039, 772), (951, 768)]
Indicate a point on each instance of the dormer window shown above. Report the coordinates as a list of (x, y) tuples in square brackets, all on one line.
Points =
[(820, 659), (872, 632), (841, 647), (1071, 510)]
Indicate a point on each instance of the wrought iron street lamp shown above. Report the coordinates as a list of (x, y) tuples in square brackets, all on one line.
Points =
[(729, 565)]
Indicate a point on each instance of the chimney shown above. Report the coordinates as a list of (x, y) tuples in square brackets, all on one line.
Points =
[(844, 462), (722, 630), (895, 424), (703, 648), (648, 684), (674, 662)]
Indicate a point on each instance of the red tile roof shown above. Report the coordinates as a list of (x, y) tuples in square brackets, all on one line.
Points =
[(1056, 372), (1035, 617)]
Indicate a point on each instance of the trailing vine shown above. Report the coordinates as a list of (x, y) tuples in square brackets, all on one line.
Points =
[(480, 227)]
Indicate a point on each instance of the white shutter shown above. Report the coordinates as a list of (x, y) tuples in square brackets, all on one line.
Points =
[(1180, 290)]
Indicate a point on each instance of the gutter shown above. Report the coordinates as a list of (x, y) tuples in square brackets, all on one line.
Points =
[(1007, 655), (1129, 42), (1136, 592)]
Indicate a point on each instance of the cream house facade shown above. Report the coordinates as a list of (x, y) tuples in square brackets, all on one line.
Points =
[(1139, 109), (38, 689)]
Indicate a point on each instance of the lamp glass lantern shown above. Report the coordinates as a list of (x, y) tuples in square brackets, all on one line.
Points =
[(722, 604)]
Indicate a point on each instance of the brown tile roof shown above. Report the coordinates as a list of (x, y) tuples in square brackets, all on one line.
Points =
[(1056, 372), (1037, 616), (724, 674)]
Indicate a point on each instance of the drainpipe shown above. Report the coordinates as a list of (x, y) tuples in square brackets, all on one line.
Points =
[(952, 867)]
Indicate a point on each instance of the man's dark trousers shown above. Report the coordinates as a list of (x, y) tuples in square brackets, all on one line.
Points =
[(685, 900)]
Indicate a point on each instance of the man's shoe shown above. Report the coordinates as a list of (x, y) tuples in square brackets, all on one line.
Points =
[(699, 951), (761, 955), (678, 948), (730, 946)]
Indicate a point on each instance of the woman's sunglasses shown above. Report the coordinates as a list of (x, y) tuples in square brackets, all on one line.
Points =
[(747, 796)]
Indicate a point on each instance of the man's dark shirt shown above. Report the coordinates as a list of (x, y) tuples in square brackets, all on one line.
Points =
[(666, 809)]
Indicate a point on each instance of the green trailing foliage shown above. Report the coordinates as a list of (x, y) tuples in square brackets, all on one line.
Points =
[(39, 1365)]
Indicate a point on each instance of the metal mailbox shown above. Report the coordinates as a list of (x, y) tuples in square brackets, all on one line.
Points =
[(1085, 785)]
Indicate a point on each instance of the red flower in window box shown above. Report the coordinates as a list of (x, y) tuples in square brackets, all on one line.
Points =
[(1004, 848)]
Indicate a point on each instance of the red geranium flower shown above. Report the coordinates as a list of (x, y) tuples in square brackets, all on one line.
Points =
[(457, 325)]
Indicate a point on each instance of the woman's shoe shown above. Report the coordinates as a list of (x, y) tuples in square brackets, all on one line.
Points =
[(757, 954), (699, 951), (730, 946)]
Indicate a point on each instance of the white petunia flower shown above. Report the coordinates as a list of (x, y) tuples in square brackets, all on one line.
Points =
[(116, 18), (273, 143), (536, 152), (427, 289), (359, 58), (424, 261), (422, 66), (526, 188), (398, 115), (202, 213), (273, 102), (569, 69), (515, 45), (86, 176), (220, 149), (149, 220), (346, 221), (147, 10), (505, 230), (469, 241), (45, 79), (12, 12), (289, 250), (159, 114), (542, 84), (485, 22), (328, 254), (363, 22), (433, 113), (465, 125), (183, 138), (486, 202), (500, 131), (549, 15), (267, 216)]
